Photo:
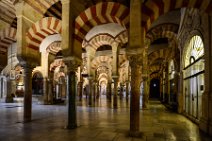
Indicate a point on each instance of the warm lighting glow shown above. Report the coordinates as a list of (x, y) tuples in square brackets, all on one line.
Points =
[(194, 50)]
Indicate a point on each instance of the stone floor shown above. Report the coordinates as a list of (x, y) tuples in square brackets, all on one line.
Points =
[(99, 123)]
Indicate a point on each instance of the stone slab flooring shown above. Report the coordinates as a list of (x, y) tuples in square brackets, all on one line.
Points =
[(97, 123)]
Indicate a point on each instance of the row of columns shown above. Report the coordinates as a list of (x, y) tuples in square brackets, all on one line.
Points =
[(73, 62)]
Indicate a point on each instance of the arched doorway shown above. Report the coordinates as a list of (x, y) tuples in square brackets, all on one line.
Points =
[(154, 89), (193, 77), (37, 84)]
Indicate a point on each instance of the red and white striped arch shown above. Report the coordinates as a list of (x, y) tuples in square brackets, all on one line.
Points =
[(101, 13), (162, 31), (155, 68), (56, 63), (162, 53), (54, 47), (103, 75), (155, 75), (122, 59), (152, 9), (41, 5), (41, 29), (101, 60), (7, 37), (106, 39)]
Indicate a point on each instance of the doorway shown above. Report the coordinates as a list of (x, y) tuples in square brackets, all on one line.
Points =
[(154, 89)]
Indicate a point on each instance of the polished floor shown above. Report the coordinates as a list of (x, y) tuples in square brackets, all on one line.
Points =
[(97, 123)]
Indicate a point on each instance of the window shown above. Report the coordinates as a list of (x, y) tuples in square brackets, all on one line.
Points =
[(194, 51)]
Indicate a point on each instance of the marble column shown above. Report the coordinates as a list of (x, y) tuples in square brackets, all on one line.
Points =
[(135, 95), (115, 92), (109, 93), (50, 88), (8, 91), (94, 91), (145, 77), (127, 91), (90, 91), (13, 86), (45, 90), (72, 64), (98, 91), (115, 52), (72, 116), (134, 53), (145, 99), (27, 93), (121, 91), (90, 55), (80, 90)]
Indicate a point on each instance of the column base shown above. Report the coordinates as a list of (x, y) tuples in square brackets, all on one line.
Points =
[(136, 134), (27, 119), (9, 99), (145, 108), (69, 127)]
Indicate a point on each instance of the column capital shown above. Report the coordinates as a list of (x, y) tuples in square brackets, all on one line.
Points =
[(135, 50), (135, 60), (72, 63), (115, 76), (28, 65), (144, 77)]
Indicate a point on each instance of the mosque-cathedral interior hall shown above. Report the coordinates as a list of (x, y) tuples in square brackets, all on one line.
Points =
[(106, 70)]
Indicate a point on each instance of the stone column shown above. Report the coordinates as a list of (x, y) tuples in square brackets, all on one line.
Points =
[(127, 91), (45, 90), (27, 93), (121, 91), (13, 86), (94, 91), (98, 91), (134, 53), (5, 87), (8, 91), (167, 95), (72, 65), (72, 116), (115, 52), (50, 88), (80, 90), (145, 99), (161, 86), (135, 95), (115, 92), (109, 93), (90, 55), (90, 91), (145, 78)]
